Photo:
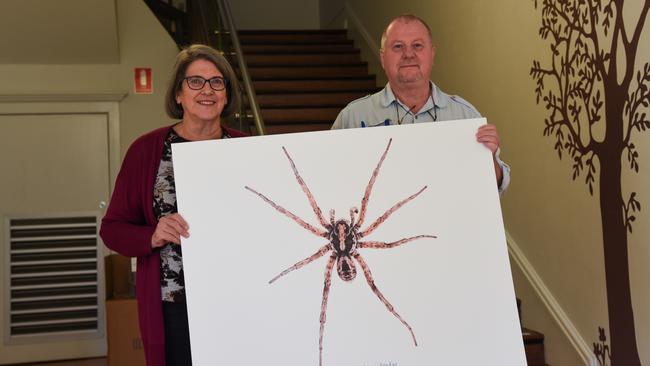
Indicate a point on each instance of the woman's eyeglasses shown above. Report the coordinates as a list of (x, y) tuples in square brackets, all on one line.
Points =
[(196, 82)]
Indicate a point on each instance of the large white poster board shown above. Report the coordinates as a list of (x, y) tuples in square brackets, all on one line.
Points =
[(451, 294)]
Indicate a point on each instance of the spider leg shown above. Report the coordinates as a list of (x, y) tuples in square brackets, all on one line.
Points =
[(353, 210), (303, 185), (366, 196), (390, 211), (371, 283), (323, 307), (321, 252), (382, 245), (286, 212)]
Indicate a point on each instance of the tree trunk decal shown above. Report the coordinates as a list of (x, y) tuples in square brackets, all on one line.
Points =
[(591, 82)]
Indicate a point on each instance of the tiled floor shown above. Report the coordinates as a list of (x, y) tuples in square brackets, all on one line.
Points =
[(85, 362)]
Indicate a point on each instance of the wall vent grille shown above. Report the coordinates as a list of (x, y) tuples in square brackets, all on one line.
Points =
[(54, 282)]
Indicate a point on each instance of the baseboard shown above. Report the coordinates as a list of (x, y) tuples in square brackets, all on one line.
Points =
[(553, 307)]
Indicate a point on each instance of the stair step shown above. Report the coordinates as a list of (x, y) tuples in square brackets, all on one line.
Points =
[(293, 31), (303, 78), (343, 47), (286, 39), (366, 84), (534, 345), (308, 100), (292, 36), (313, 59), (300, 115), (311, 72)]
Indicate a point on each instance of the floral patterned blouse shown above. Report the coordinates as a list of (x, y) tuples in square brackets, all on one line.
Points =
[(172, 282)]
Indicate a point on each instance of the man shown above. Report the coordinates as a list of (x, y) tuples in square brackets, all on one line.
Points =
[(407, 54)]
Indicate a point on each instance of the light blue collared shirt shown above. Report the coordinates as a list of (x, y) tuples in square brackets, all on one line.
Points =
[(384, 109)]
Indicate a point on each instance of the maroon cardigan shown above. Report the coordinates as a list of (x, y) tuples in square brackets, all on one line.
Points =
[(128, 226)]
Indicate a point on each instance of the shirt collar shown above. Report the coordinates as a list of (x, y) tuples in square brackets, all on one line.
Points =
[(440, 99)]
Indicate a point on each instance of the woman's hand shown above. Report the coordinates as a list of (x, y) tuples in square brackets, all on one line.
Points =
[(169, 230)]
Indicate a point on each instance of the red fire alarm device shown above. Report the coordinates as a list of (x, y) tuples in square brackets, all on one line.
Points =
[(143, 81)]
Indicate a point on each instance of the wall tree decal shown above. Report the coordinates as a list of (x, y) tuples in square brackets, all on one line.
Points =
[(589, 87)]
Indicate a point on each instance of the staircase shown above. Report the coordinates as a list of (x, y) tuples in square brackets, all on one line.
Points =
[(303, 78), (533, 343)]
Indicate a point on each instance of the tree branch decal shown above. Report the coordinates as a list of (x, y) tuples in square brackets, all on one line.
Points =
[(631, 206), (601, 349), (589, 86)]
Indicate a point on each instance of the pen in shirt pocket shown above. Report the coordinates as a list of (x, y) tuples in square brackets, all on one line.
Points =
[(385, 123)]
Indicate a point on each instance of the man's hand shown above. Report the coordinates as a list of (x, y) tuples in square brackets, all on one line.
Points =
[(488, 136), (169, 230)]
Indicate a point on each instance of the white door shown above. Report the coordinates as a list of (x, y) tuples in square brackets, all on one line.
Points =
[(55, 175)]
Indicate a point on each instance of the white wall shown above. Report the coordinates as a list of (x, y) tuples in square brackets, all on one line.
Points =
[(142, 42), (81, 51), (58, 32)]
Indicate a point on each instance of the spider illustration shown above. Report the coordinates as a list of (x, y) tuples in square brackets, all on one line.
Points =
[(343, 241)]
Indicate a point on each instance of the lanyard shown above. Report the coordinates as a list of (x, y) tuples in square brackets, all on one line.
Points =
[(434, 116)]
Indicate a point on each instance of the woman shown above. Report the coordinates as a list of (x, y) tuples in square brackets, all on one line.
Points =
[(142, 219)]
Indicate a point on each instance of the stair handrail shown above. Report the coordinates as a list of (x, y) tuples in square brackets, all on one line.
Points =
[(207, 26), (227, 18)]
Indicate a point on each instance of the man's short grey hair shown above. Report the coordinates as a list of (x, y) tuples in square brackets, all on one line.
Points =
[(405, 18)]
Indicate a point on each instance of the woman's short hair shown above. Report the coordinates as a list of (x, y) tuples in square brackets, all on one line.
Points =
[(183, 60)]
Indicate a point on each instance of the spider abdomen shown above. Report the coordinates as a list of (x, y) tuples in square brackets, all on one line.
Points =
[(346, 269)]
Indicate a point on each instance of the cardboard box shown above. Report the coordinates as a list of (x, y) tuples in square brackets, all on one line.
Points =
[(124, 342), (119, 278)]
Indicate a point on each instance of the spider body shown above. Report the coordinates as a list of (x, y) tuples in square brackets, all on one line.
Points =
[(343, 237), (344, 241)]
